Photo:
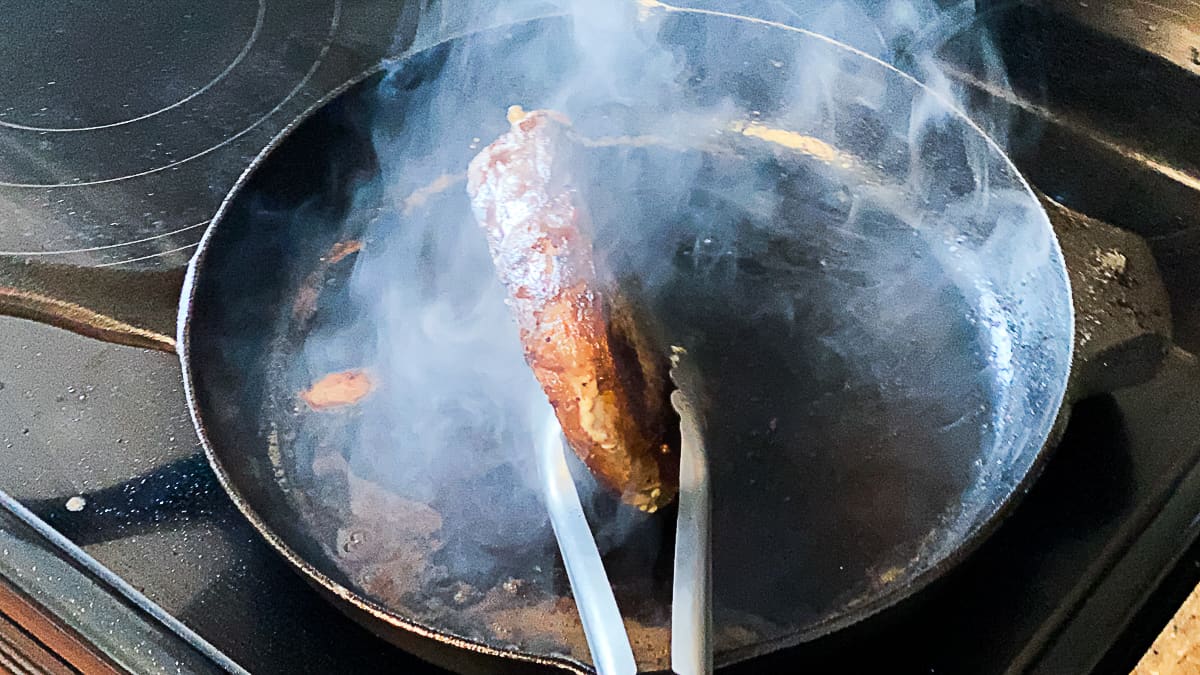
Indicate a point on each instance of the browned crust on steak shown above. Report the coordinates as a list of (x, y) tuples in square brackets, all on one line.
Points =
[(607, 383)]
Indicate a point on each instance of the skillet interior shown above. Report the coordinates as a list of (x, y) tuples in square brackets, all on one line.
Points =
[(880, 376)]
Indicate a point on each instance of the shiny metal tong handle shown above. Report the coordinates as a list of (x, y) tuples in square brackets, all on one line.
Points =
[(691, 592), (602, 623)]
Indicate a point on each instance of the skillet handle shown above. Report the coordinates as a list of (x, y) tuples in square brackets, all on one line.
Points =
[(137, 308), (1122, 312)]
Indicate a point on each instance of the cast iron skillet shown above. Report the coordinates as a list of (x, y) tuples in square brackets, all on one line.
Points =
[(880, 304)]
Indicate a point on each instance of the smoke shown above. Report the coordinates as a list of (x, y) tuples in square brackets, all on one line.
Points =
[(841, 252)]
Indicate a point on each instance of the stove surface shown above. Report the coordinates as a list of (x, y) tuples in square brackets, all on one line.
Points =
[(124, 161), (123, 129)]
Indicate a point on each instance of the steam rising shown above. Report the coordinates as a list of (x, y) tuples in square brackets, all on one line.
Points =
[(843, 250)]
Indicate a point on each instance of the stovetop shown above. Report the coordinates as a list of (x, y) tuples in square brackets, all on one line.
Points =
[(122, 129)]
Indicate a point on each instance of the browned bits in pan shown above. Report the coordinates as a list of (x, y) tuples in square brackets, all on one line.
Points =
[(305, 303), (342, 249), (338, 390)]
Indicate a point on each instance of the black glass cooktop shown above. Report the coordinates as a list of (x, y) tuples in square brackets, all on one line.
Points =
[(121, 129)]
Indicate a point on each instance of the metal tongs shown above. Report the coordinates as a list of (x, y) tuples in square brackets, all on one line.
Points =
[(691, 605), (691, 588)]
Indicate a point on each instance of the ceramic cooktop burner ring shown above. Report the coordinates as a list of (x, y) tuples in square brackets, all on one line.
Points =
[(110, 247), (318, 59), (241, 55)]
